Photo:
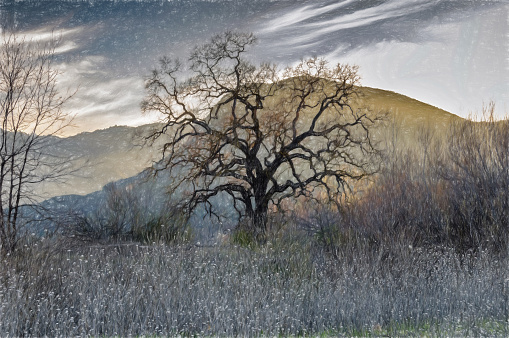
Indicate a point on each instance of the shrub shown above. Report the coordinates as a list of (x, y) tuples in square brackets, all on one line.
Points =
[(451, 190), (123, 217), (171, 227)]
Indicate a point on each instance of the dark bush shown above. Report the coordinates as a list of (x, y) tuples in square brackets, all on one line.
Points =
[(444, 191)]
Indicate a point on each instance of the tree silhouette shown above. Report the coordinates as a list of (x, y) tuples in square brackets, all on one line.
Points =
[(257, 134), (30, 112)]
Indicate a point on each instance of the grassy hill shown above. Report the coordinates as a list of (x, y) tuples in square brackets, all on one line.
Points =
[(120, 152), (407, 111), (407, 119)]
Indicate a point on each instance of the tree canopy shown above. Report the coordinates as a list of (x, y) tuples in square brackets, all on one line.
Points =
[(258, 134)]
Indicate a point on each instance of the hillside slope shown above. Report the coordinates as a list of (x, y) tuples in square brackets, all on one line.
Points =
[(101, 157), (407, 119), (407, 111), (120, 152)]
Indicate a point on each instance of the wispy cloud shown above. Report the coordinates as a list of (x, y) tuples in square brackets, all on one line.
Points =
[(313, 31), (113, 95), (63, 39), (301, 14), (101, 99), (47, 34), (390, 9)]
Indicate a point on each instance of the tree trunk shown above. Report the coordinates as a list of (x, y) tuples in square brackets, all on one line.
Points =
[(260, 218), (8, 240)]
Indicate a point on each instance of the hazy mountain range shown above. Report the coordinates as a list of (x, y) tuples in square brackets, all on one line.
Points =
[(121, 154), (102, 156)]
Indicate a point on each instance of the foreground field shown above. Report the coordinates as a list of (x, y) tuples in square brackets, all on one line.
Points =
[(278, 289)]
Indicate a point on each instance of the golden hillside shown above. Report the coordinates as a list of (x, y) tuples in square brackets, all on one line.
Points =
[(115, 153), (407, 119)]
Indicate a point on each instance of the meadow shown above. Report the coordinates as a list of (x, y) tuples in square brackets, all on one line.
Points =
[(160, 290)]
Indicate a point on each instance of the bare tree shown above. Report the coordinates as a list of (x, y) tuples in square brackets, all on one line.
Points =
[(30, 113), (257, 134)]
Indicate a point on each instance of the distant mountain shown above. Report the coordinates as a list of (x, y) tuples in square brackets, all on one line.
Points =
[(408, 112), (120, 152), (101, 157), (120, 155)]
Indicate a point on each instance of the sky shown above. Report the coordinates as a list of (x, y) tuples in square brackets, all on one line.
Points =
[(453, 54)]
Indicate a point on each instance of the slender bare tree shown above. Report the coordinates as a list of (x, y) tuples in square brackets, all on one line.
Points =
[(257, 134), (30, 113)]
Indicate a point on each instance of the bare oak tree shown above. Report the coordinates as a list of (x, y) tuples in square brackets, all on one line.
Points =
[(257, 134), (30, 112)]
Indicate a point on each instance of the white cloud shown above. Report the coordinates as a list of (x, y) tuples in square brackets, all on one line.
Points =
[(110, 96), (454, 62), (101, 99), (65, 47), (388, 10), (301, 14), (43, 36), (46, 34)]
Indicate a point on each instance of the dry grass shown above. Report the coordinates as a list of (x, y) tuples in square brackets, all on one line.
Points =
[(229, 291)]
